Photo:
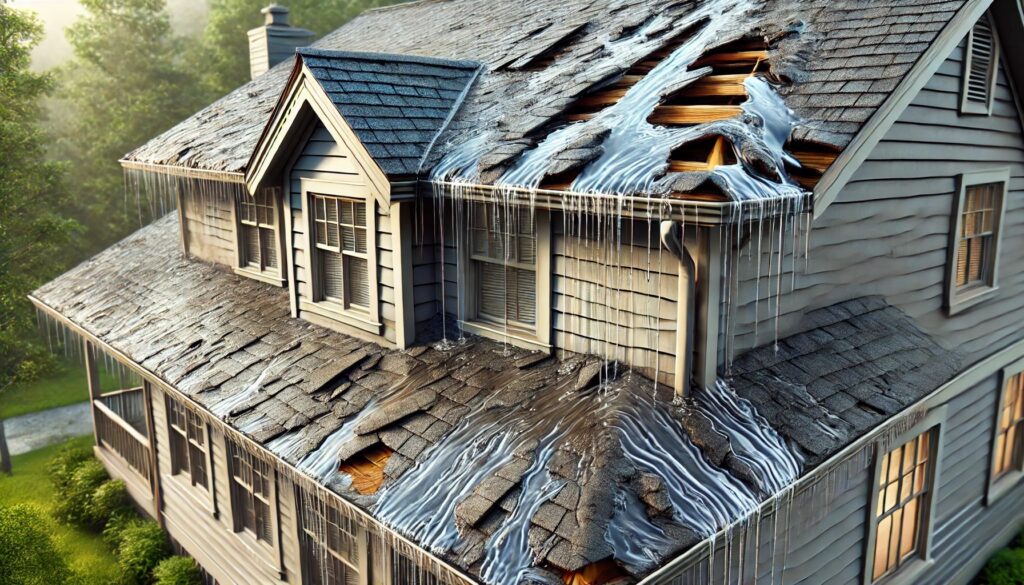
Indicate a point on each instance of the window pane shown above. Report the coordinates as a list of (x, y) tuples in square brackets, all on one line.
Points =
[(331, 269), (268, 247), (252, 245), (358, 282), (491, 285)]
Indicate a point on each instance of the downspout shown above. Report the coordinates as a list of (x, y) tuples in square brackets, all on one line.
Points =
[(672, 239)]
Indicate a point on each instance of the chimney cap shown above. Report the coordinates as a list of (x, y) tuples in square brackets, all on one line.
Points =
[(276, 15)]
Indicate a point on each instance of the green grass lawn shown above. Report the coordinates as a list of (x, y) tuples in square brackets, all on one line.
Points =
[(67, 386), (85, 551)]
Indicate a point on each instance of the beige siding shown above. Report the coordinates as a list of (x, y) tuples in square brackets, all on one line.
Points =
[(209, 224), (322, 158), (231, 558), (887, 233)]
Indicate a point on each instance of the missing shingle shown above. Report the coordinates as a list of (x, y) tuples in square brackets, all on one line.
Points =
[(366, 468)]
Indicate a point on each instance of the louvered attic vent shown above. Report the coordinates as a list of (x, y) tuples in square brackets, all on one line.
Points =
[(981, 62)]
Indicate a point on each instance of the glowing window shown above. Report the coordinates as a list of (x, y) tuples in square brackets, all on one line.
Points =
[(1009, 445), (901, 509), (975, 238)]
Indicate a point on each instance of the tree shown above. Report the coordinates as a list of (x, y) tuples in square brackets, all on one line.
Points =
[(29, 557), (33, 234), (223, 53), (126, 83)]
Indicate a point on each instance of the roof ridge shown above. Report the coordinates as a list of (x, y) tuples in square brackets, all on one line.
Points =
[(400, 57)]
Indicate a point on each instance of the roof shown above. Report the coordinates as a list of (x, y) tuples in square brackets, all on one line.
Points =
[(856, 364), (835, 63), (520, 457), (396, 104)]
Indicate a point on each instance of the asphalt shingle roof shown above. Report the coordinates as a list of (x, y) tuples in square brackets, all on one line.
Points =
[(837, 61), (396, 104)]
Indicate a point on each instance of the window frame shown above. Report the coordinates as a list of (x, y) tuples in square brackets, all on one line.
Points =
[(537, 337), (274, 276), (997, 487), (958, 299), (205, 494), (361, 538), (968, 106), (250, 539), (935, 422), (365, 320)]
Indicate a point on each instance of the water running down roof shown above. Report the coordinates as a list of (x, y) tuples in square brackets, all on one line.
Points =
[(837, 62), (574, 467)]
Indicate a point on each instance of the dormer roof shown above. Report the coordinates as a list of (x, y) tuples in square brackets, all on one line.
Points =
[(388, 108)]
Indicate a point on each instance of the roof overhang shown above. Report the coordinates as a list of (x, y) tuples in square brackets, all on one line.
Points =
[(302, 101), (863, 144)]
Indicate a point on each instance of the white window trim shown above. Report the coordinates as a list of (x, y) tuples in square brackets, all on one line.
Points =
[(956, 300), (258, 548), (909, 573), (537, 338), (364, 320), (996, 488), (206, 498), (968, 106), (276, 276)]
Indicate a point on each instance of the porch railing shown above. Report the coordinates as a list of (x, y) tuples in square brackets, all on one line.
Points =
[(121, 429)]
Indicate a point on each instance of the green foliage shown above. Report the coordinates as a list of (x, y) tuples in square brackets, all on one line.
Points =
[(114, 530), (223, 52), (29, 556), (109, 500), (74, 500), (143, 546), (33, 234), (1005, 568), (177, 571), (126, 83), (64, 465)]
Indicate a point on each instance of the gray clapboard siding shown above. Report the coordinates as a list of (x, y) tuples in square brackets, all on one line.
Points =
[(322, 158), (212, 540), (210, 227), (887, 233)]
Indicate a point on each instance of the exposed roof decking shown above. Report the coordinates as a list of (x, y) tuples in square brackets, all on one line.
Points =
[(845, 58)]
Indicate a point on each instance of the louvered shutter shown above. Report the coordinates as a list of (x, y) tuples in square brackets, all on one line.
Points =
[(252, 245), (491, 284), (332, 274), (526, 296), (358, 282), (983, 63), (268, 249)]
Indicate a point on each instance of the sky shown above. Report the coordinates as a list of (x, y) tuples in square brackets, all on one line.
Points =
[(187, 16)]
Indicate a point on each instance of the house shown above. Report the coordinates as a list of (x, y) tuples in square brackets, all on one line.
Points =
[(582, 292)]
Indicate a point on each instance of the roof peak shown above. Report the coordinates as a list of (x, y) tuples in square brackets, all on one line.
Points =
[(392, 57)]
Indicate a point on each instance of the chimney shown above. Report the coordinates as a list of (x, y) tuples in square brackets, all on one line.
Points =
[(275, 41)]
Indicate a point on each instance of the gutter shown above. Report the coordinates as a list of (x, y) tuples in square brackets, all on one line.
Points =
[(187, 172), (688, 211), (242, 438)]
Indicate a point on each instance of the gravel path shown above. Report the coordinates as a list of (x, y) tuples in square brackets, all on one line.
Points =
[(29, 432)]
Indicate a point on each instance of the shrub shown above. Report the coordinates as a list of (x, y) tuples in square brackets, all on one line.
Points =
[(73, 503), (65, 463), (143, 546), (115, 527), (109, 500), (177, 571), (1005, 568), (29, 556)]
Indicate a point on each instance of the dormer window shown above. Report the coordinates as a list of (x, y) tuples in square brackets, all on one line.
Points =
[(258, 241), (981, 69), (339, 231), (506, 281), (974, 250)]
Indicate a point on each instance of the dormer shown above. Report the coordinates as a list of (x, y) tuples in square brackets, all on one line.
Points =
[(344, 147)]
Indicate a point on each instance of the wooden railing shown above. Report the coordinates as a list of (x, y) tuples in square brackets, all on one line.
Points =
[(129, 405), (119, 436)]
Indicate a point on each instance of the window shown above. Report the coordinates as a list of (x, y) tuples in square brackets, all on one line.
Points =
[(974, 241), (340, 234), (981, 67), (333, 543), (1008, 445), (504, 258), (257, 221), (252, 484), (902, 504), (188, 443)]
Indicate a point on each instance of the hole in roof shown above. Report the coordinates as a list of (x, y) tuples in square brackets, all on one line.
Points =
[(366, 468), (702, 155), (603, 572), (814, 158)]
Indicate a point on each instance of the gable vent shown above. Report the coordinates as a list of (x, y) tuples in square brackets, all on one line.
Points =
[(980, 66)]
